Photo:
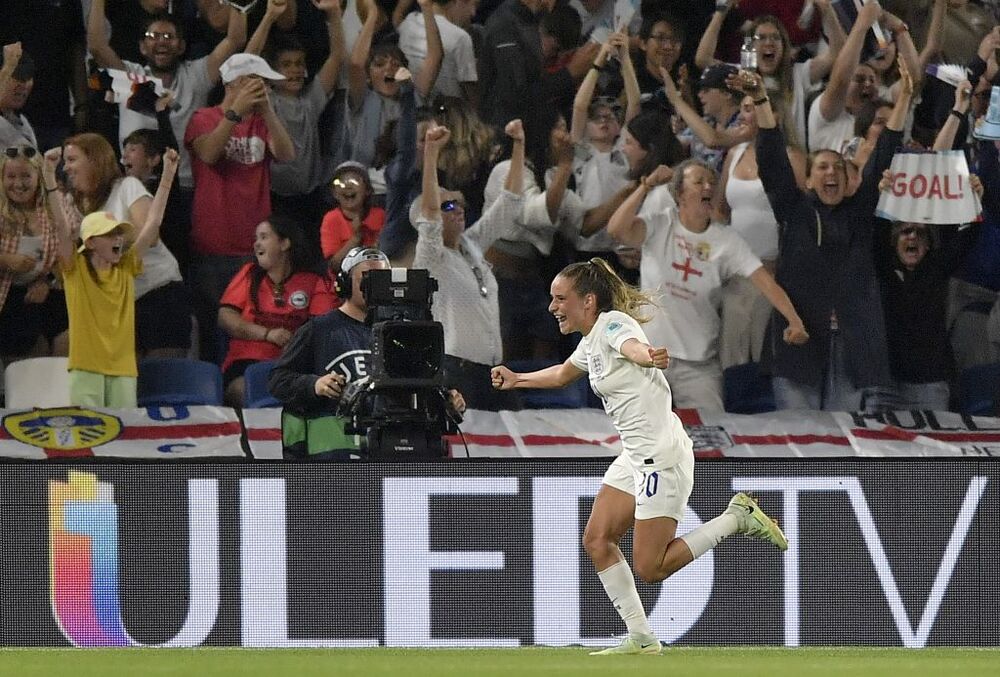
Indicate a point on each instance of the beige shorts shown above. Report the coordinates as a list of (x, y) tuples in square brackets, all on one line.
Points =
[(658, 493)]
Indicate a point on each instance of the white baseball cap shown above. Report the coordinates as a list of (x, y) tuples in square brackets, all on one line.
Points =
[(247, 64)]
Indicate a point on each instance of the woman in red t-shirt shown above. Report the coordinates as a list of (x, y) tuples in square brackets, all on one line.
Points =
[(354, 221), (268, 300)]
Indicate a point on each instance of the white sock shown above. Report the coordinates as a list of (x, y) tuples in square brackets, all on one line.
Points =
[(710, 534), (620, 585)]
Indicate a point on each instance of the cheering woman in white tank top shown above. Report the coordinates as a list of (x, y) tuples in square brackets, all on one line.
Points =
[(742, 202)]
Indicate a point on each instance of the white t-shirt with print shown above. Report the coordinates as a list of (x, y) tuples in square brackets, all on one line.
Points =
[(636, 398), (684, 272)]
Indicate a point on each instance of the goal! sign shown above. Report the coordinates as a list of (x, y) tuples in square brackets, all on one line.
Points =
[(929, 188)]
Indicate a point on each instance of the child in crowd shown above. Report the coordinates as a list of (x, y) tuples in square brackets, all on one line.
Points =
[(99, 278), (355, 221)]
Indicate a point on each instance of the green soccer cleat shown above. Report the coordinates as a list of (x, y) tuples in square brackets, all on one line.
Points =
[(754, 522), (631, 646)]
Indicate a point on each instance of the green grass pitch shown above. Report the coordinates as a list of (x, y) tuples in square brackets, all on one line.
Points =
[(674, 662)]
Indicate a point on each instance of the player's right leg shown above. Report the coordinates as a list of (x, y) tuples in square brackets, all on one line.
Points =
[(610, 518)]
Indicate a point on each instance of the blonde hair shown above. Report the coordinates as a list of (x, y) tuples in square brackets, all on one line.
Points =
[(12, 220), (471, 144), (597, 277)]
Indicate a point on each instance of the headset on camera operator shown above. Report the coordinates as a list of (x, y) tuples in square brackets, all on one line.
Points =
[(325, 356)]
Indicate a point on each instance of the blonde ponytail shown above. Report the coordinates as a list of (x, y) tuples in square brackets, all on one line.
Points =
[(597, 277)]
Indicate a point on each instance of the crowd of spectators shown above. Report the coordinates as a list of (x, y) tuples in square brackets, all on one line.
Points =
[(495, 141)]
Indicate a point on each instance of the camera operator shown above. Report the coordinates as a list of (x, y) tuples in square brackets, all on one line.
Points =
[(323, 357)]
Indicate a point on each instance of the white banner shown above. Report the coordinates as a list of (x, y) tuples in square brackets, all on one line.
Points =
[(153, 432), (190, 432), (929, 188), (576, 433)]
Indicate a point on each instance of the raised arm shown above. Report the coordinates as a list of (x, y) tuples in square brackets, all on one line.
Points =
[(831, 101), (258, 40), (424, 80), (328, 72), (624, 226), (11, 58), (906, 51), (400, 11), (357, 76), (585, 94), (633, 96), (556, 376), (430, 194), (705, 55), (97, 38), (819, 66), (945, 139), (596, 218), (149, 233), (236, 38), (709, 135), (515, 175), (556, 190), (935, 30), (54, 201), (776, 173)]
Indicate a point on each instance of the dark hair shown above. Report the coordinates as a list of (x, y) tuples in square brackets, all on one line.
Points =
[(279, 43), (165, 17), (286, 228), (651, 129), (865, 116), (149, 139), (650, 20), (387, 47), (564, 24)]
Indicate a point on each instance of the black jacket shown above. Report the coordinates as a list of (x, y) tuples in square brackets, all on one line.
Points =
[(826, 265), (330, 343)]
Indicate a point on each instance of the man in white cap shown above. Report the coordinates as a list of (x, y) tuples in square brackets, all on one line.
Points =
[(232, 146)]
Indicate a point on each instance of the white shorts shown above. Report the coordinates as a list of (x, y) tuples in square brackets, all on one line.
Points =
[(658, 493)]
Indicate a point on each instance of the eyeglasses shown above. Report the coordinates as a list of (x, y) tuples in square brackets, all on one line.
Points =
[(346, 183), (452, 205), (665, 39), (773, 38), (158, 35), (480, 280), (25, 151)]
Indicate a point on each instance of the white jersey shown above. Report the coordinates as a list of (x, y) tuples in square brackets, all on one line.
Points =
[(636, 398), (684, 272)]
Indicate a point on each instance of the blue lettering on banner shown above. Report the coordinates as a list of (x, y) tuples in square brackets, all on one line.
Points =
[(174, 448), (178, 413)]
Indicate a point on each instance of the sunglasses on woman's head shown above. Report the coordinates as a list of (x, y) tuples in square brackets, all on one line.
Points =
[(27, 151)]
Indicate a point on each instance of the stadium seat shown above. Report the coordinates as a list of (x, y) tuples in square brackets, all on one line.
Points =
[(746, 390), (573, 396), (170, 382), (256, 395), (37, 382), (979, 390)]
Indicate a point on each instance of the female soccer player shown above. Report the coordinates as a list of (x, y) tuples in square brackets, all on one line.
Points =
[(648, 485)]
